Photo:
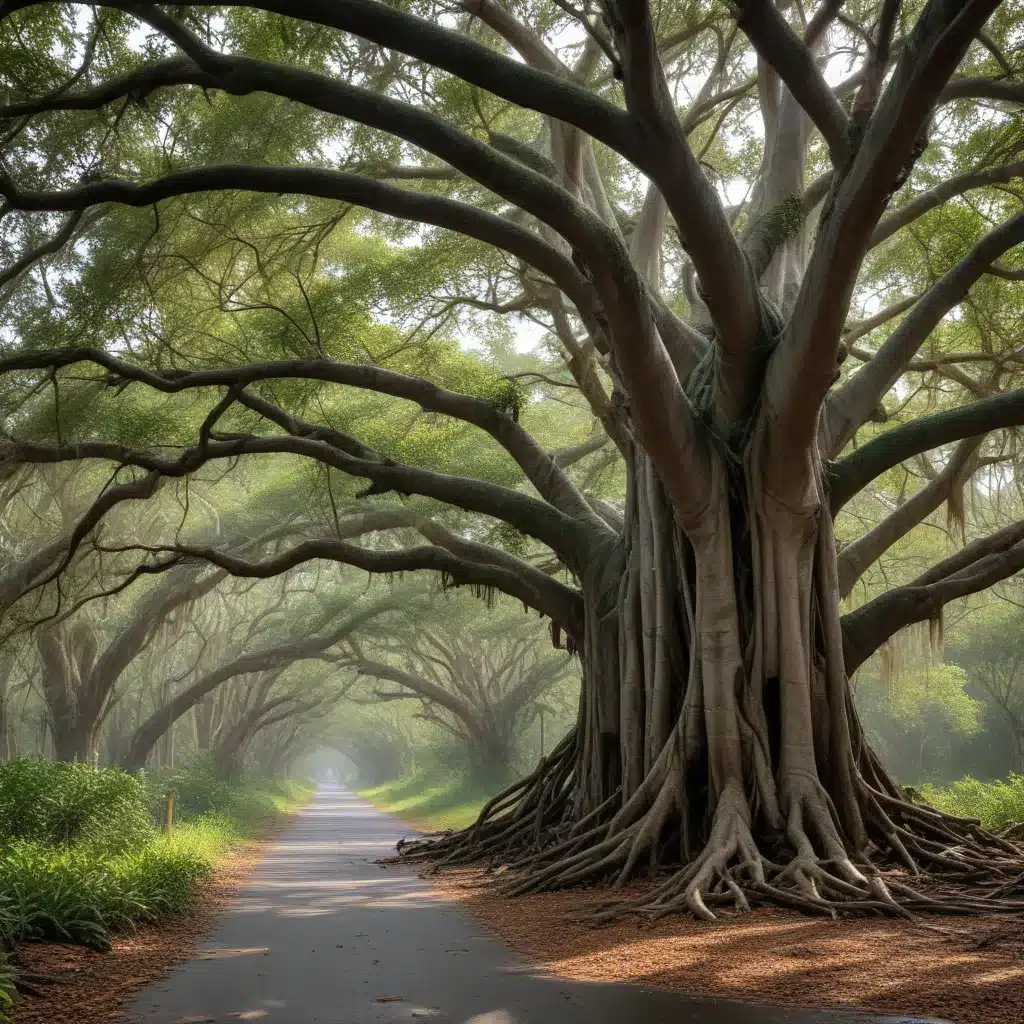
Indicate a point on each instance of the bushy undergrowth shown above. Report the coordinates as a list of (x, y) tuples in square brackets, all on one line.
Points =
[(997, 804), (59, 803), (199, 790), (80, 857)]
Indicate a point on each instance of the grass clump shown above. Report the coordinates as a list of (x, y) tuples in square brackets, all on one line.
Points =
[(71, 894), (998, 805)]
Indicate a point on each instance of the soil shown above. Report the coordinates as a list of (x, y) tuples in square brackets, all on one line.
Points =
[(966, 970), (91, 986)]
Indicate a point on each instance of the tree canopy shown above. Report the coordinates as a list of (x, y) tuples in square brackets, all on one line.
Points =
[(681, 323)]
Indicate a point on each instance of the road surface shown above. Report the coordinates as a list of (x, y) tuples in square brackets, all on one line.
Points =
[(320, 933)]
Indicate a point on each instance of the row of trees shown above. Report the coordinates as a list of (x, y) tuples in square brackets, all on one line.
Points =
[(196, 660), (769, 254)]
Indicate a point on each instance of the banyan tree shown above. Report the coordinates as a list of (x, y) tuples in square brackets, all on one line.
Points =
[(699, 204)]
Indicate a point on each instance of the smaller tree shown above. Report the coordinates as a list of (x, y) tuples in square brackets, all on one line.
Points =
[(482, 681), (992, 653), (913, 702)]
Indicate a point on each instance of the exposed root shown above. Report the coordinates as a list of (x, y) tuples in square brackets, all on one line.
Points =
[(527, 832)]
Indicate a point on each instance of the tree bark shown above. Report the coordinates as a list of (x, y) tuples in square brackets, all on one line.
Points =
[(716, 731)]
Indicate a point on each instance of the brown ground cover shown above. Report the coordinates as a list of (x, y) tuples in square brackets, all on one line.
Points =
[(92, 986), (970, 971)]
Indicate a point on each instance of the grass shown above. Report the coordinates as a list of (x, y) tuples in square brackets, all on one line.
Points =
[(80, 856), (997, 804), (428, 805)]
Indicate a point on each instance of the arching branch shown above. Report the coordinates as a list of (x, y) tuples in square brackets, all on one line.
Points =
[(555, 600), (529, 515), (274, 658), (325, 184), (541, 469), (855, 558), (974, 568), (942, 193)]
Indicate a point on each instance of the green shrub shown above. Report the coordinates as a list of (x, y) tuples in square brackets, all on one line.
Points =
[(80, 858), (996, 804), (61, 803), (199, 790), (197, 787), (69, 894), (6, 989)]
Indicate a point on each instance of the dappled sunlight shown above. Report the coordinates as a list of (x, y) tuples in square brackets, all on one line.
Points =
[(221, 954), (771, 956)]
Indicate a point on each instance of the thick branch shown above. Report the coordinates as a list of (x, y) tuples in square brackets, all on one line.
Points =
[(974, 568), (894, 446), (558, 602), (418, 685), (793, 62), (983, 89)]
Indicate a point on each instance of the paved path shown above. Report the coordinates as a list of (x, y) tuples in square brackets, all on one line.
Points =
[(320, 931)]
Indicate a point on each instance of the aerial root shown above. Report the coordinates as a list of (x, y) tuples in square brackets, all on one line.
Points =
[(518, 822)]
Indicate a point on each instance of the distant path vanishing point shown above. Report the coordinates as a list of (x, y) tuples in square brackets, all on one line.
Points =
[(321, 933)]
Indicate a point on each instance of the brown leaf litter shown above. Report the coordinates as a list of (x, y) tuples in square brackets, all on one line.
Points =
[(967, 970)]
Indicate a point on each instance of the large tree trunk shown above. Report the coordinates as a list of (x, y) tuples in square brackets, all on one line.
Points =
[(716, 733)]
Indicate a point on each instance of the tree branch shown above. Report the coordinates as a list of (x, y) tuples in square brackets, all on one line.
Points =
[(561, 604), (802, 367), (792, 61), (540, 468), (147, 734), (892, 447), (850, 405), (855, 558), (972, 569), (941, 193), (325, 184)]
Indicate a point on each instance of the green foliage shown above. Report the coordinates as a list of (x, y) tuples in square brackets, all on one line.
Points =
[(996, 804), (201, 794), (72, 895), (6, 989), (935, 690), (80, 859), (428, 801), (58, 803)]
